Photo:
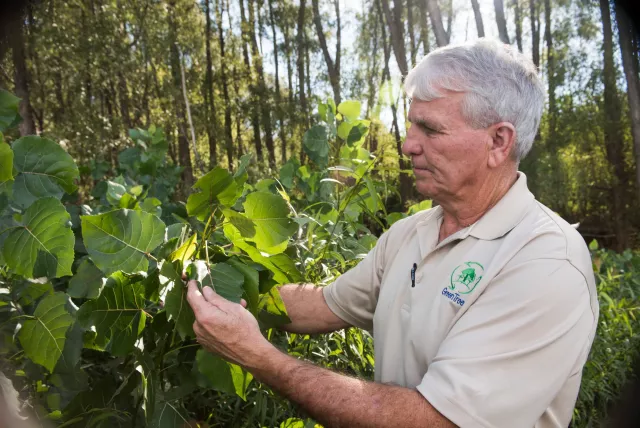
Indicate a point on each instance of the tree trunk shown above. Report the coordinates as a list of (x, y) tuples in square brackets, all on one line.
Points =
[(436, 21), (449, 18), (551, 78), (535, 33), (255, 102), (478, 15), (332, 67), (279, 109), (410, 30), (518, 19), (210, 105), (123, 93), (184, 156), (394, 21), (300, 65), (228, 137), (424, 29), (613, 138), (263, 97), (630, 64), (405, 180), (21, 77), (287, 48), (501, 21)]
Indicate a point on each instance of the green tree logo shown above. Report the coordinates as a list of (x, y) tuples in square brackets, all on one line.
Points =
[(465, 277)]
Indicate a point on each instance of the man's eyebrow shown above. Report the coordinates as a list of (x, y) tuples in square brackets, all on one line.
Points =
[(421, 121)]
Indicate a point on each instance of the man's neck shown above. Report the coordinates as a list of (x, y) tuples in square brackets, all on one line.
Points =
[(477, 201)]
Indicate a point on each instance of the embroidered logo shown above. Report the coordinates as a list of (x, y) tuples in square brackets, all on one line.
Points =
[(465, 277)]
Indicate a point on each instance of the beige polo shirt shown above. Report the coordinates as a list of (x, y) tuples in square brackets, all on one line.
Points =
[(500, 321)]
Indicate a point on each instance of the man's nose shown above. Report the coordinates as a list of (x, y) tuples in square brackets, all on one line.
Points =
[(411, 146)]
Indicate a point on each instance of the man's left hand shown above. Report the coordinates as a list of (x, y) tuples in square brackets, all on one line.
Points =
[(223, 327)]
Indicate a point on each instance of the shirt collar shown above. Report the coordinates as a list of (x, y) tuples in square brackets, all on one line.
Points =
[(506, 214)]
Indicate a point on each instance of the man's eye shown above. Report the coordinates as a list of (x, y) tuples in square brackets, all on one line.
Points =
[(428, 130)]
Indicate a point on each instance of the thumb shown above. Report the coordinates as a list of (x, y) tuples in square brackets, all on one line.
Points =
[(210, 294), (243, 303)]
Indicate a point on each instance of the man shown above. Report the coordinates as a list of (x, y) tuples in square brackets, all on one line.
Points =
[(483, 309)]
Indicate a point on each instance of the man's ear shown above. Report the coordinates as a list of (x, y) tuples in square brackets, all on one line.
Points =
[(502, 147)]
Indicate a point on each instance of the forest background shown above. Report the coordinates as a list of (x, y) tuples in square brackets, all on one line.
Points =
[(224, 78), (148, 96)]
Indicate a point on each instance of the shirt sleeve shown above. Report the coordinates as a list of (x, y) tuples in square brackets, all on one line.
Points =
[(509, 355), (353, 296)]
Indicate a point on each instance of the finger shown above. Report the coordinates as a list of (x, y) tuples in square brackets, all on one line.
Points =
[(195, 298), (210, 295), (243, 303), (184, 276)]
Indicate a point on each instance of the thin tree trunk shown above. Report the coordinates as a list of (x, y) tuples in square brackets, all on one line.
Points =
[(629, 62), (410, 30), (518, 21), (287, 48), (405, 180), (228, 137), (333, 67), (184, 156), (501, 21), (436, 21), (21, 76), (262, 89), (123, 92), (255, 103), (449, 18), (188, 110), (394, 21), (478, 15), (372, 73), (551, 78), (535, 33), (613, 138), (300, 65), (279, 109), (210, 104), (424, 29)]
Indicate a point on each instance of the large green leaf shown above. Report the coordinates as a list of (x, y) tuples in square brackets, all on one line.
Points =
[(282, 266), (87, 282), (223, 278), (44, 169), (176, 303), (270, 214), (118, 313), (251, 283), (9, 105), (349, 109), (216, 187), (42, 243), (120, 240), (223, 376), (6, 166), (316, 145), (43, 337)]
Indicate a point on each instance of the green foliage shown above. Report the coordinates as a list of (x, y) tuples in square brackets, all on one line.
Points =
[(43, 337), (41, 243), (44, 169), (616, 346), (127, 356), (121, 240)]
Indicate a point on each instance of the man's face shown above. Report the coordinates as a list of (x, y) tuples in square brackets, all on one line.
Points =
[(447, 154)]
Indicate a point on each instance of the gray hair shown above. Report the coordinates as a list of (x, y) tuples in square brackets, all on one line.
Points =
[(500, 85)]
